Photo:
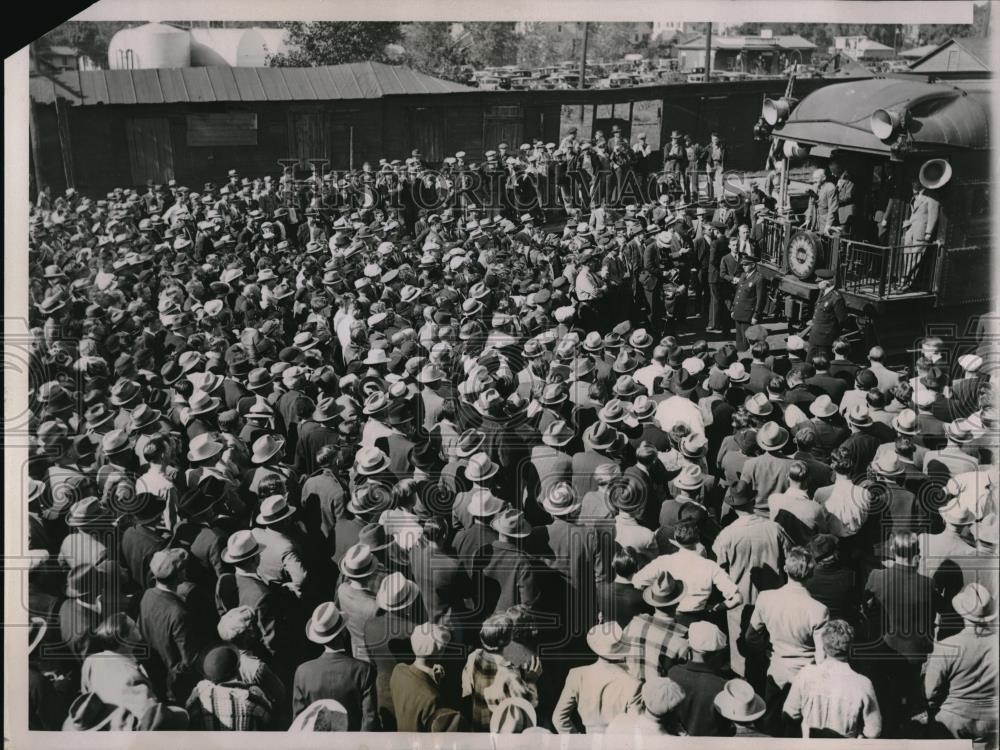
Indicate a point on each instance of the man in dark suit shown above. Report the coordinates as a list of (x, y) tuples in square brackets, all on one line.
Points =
[(316, 433), (829, 315), (651, 280), (822, 382), (760, 372), (144, 538), (334, 674), (169, 626), (442, 580), (748, 300), (718, 288)]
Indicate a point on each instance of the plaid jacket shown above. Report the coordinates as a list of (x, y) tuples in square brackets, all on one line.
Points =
[(656, 642), (228, 706)]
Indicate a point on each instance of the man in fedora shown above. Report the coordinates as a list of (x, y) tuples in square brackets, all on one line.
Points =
[(599, 442), (957, 456), (961, 671), (828, 426), (702, 678), (282, 556), (334, 675), (356, 594), (387, 636), (504, 572), (949, 556), (551, 462), (144, 538), (660, 697), (314, 434), (829, 698), (482, 508), (920, 228), (656, 641), (768, 472), (593, 695)]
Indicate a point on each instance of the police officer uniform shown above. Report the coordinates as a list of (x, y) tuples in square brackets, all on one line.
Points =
[(748, 300), (828, 317)]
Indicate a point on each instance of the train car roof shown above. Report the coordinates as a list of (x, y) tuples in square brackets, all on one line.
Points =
[(942, 115)]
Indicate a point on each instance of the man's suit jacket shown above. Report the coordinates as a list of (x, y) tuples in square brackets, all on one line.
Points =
[(583, 467), (312, 437), (760, 375), (168, 626), (833, 387), (139, 544), (571, 551), (270, 602), (924, 211), (506, 577), (337, 676), (387, 638), (443, 582), (416, 698), (549, 467)]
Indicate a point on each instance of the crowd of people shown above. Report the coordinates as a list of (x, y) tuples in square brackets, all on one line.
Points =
[(313, 465)]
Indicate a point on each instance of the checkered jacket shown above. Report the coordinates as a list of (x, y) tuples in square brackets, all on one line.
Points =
[(228, 706), (656, 642)]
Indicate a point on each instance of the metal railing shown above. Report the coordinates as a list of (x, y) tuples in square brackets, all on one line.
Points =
[(772, 251), (883, 272)]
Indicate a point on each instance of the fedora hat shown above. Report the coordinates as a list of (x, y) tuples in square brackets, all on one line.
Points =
[(643, 408), (975, 603), (606, 639), (358, 562), (259, 379), (97, 416), (481, 468), (240, 546), (859, 415), (561, 500), (511, 523), (124, 392), (626, 362), (956, 514), (823, 407), (469, 442), (738, 702), (759, 405), (89, 510), (737, 373), (369, 499), (430, 373), (376, 403), (396, 592), (691, 477), (613, 412), (905, 423), (958, 431), (142, 416), (484, 504), (115, 441), (552, 395), (327, 409), (663, 591), (694, 445), (741, 495), (887, 464), (772, 436), (203, 497), (202, 403), (371, 460), (203, 447), (600, 436), (267, 447), (557, 434), (375, 537), (273, 509), (935, 173), (325, 624)]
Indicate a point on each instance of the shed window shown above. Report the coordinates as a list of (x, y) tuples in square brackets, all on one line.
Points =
[(222, 129)]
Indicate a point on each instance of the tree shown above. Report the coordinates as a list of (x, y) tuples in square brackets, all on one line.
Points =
[(431, 49), (336, 42), (493, 42), (90, 38)]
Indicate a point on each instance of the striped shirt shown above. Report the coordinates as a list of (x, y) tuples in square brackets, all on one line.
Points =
[(656, 642)]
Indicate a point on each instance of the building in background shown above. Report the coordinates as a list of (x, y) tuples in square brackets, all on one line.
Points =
[(970, 55), (763, 54), (59, 58), (861, 48)]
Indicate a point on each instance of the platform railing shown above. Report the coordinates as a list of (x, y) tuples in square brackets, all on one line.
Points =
[(883, 272)]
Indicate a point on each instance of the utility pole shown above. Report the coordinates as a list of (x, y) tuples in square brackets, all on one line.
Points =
[(708, 52), (583, 56)]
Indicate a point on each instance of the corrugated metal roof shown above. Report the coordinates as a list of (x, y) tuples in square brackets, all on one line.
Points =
[(365, 80)]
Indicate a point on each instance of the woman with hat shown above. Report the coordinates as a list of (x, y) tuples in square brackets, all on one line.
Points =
[(594, 695)]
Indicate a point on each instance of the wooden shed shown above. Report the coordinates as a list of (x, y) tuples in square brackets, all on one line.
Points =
[(97, 130)]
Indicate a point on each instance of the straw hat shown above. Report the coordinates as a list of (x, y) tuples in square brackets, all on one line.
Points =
[(975, 603), (369, 461), (274, 509), (557, 434), (396, 592), (240, 546), (561, 500), (481, 468), (823, 407), (266, 447), (511, 523), (484, 504), (358, 562), (606, 639)]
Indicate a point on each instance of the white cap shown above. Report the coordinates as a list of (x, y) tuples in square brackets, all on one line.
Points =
[(705, 637), (924, 397), (564, 313), (796, 343), (693, 365)]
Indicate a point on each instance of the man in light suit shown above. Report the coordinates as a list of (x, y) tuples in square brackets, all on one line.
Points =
[(918, 232), (822, 214), (845, 199)]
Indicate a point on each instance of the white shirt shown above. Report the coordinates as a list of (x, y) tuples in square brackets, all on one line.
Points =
[(647, 376), (677, 409), (699, 574)]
